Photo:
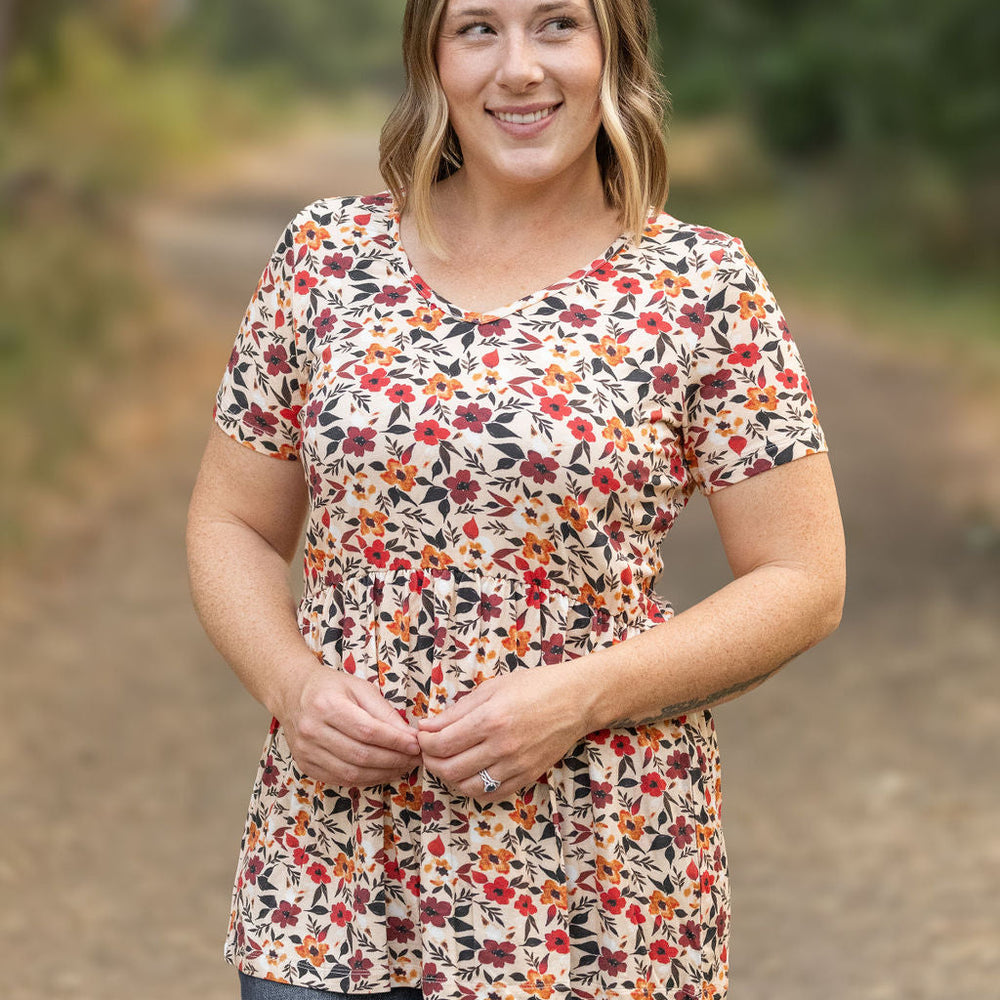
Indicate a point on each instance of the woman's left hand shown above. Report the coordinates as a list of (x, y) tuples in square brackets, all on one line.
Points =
[(515, 725)]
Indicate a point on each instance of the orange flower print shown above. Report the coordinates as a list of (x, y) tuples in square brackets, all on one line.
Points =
[(762, 399), (573, 513), (312, 234), (432, 558), (645, 989), (313, 950), (608, 870), (442, 386), (400, 627), (662, 905), (630, 825), (539, 984), (372, 522), (516, 640), (553, 894), (672, 284), (618, 434), (523, 814), (428, 318), (556, 377), (380, 354), (409, 796), (752, 306), (398, 474), (539, 549), (588, 595), (609, 349), (495, 859)]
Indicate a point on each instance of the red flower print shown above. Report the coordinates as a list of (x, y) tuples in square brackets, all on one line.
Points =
[(612, 961), (602, 270), (717, 386), (613, 900), (472, 416), (555, 406), (377, 554), (336, 265), (401, 393), (662, 951), (638, 474), (694, 318), (581, 429), (788, 378), (744, 354), (286, 914), (304, 281), (259, 421), (318, 873), (604, 480), (682, 831), (558, 942), (579, 316), (524, 905), (499, 890), (429, 432), (375, 380), (539, 468), (496, 953), (622, 746), (359, 440), (463, 487), (615, 535), (634, 914), (628, 286), (652, 784), (678, 764), (783, 329), (653, 322), (391, 295), (341, 915)]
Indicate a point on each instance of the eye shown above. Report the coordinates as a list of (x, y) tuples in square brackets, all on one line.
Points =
[(561, 25), (475, 29)]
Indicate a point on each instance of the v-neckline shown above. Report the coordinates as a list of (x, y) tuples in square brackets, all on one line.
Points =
[(432, 298)]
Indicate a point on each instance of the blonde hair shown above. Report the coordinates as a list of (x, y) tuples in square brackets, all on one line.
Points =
[(419, 147)]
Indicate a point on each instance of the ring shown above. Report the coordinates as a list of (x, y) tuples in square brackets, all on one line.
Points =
[(490, 784)]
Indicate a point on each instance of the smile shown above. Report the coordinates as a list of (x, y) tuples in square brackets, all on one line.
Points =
[(528, 118)]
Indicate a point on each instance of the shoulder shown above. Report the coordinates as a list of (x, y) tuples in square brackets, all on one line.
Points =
[(667, 238)]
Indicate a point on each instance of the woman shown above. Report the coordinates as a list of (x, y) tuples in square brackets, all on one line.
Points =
[(491, 768)]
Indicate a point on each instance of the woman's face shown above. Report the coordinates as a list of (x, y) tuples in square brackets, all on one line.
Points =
[(522, 79)]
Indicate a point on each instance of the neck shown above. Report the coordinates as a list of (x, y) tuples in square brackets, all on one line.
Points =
[(472, 201)]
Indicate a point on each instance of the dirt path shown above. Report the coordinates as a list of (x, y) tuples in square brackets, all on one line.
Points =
[(861, 796)]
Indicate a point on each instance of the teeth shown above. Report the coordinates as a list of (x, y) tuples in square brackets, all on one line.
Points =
[(535, 116)]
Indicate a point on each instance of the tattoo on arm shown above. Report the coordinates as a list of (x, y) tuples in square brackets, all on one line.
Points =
[(686, 707)]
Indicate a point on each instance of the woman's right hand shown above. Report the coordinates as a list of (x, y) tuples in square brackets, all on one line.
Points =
[(343, 732)]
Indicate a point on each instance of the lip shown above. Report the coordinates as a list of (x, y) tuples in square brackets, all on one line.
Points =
[(526, 130), (524, 109)]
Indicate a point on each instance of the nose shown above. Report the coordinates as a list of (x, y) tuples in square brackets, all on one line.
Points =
[(519, 67)]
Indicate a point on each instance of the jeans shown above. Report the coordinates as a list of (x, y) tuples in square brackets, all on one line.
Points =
[(252, 988)]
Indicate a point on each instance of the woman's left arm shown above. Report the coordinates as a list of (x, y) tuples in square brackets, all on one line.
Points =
[(785, 543), (784, 539)]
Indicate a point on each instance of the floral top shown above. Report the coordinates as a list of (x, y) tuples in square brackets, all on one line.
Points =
[(489, 492)]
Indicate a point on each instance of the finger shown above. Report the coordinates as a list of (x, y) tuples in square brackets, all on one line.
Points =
[(369, 696), (344, 747), (458, 709), (364, 727), (461, 736), (321, 765)]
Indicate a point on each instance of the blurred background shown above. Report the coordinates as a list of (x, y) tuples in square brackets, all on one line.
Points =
[(151, 151)]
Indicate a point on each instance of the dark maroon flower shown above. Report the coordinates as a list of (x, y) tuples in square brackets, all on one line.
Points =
[(463, 487), (337, 265), (489, 606), (392, 295), (323, 323), (689, 935), (434, 911), (286, 914), (359, 965), (678, 764), (637, 474), (253, 867), (665, 378), (359, 440), (471, 416), (682, 831), (496, 953), (614, 534), (761, 465), (540, 468), (257, 420), (612, 961), (399, 929), (600, 793), (233, 359), (494, 328), (579, 316), (553, 648), (717, 386), (270, 773), (276, 359), (695, 318), (313, 410)]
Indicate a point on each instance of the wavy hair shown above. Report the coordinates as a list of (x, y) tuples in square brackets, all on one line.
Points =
[(418, 146)]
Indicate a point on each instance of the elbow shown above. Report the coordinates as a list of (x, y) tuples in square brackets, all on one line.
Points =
[(830, 608)]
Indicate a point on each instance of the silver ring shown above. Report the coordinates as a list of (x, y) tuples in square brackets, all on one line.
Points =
[(490, 784)]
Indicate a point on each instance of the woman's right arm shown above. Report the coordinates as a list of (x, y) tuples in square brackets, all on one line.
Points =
[(246, 515)]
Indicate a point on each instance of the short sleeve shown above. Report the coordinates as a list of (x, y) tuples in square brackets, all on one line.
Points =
[(748, 404), (264, 384)]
